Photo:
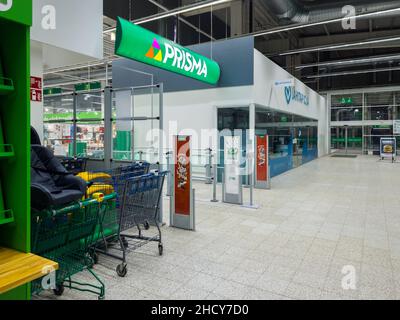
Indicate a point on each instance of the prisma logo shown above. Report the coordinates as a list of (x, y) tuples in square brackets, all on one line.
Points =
[(6, 6), (155, 51), (177, 58)]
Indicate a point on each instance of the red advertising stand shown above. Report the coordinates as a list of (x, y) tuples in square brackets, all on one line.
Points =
[(263, 180), (182, 199)]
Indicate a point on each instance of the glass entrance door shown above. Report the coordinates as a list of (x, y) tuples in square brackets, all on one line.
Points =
[(346, 139), (299, 137)]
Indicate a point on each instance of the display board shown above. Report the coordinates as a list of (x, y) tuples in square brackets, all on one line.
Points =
[(262, 162), (140, 44), (182, 199), (232, 183), (182, 176), (388, 148), (396, 126)]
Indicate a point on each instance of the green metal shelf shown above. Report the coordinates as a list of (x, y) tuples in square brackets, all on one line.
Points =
[(6, 86), (6, 216), (6, 151)]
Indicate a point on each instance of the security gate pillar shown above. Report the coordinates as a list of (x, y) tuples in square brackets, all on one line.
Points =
[(232, 187), (262, 170), (182, 200)]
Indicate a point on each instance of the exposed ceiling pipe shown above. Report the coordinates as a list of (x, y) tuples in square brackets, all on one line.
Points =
[(291, 11)]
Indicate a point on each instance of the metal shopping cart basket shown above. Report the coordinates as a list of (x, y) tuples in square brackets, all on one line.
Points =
[(66, 236), (107, 182), (139, 211), (110, 181)]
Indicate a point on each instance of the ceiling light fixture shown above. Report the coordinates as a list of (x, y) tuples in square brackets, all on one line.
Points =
[(346, 62), (348, 73), (340, 46)]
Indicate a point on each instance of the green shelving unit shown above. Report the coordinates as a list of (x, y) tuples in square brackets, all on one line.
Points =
[(15, 134)]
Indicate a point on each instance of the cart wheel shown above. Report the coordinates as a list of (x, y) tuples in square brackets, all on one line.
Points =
[(59, 290), (160, 249), (146, 225), (95, 258), (125, 242), (122, 270)]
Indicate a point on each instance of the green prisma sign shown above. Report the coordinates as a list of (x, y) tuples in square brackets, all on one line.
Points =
[(17, 10), (137, 43)]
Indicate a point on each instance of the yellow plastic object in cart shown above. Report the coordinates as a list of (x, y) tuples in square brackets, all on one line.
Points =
[(97, 187), (89, 176), (98, 196)]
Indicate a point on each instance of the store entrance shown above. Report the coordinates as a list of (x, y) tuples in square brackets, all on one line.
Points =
[(346, 139)]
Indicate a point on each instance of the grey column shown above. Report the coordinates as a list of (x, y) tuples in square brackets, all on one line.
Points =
[(107, 127)]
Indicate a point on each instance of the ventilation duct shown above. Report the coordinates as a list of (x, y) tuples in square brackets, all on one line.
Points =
[(291, 11)]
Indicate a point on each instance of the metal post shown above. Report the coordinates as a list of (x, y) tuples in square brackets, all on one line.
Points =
[(223, 186), (108, 127), (193, 204), (214, 181), (251, 205), (169, 176), (133, 125), (161, 120), (208, 167), (250, 175), (75, 122)]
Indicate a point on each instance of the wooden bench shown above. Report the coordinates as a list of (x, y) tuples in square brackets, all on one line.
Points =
[(17, 268)]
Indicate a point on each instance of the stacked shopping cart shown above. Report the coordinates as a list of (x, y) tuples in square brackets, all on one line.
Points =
[(119, 206), (67, 236), (137, 208)]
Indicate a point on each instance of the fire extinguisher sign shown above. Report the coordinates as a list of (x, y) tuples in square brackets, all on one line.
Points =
[(36, 89)]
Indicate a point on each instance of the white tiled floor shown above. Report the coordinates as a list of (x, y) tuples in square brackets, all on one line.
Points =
[(318, 218)]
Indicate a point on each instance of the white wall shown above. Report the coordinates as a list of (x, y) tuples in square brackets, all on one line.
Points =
[(267, 94), (194, 111), (37, 71), (78, 25)]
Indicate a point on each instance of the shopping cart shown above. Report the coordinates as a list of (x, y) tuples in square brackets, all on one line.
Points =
[(67, 236), (140, 204)]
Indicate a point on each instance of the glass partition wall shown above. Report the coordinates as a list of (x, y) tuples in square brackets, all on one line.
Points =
[(293, 140), (59, 123), (65, 111), (360, 119), (110, 124)]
